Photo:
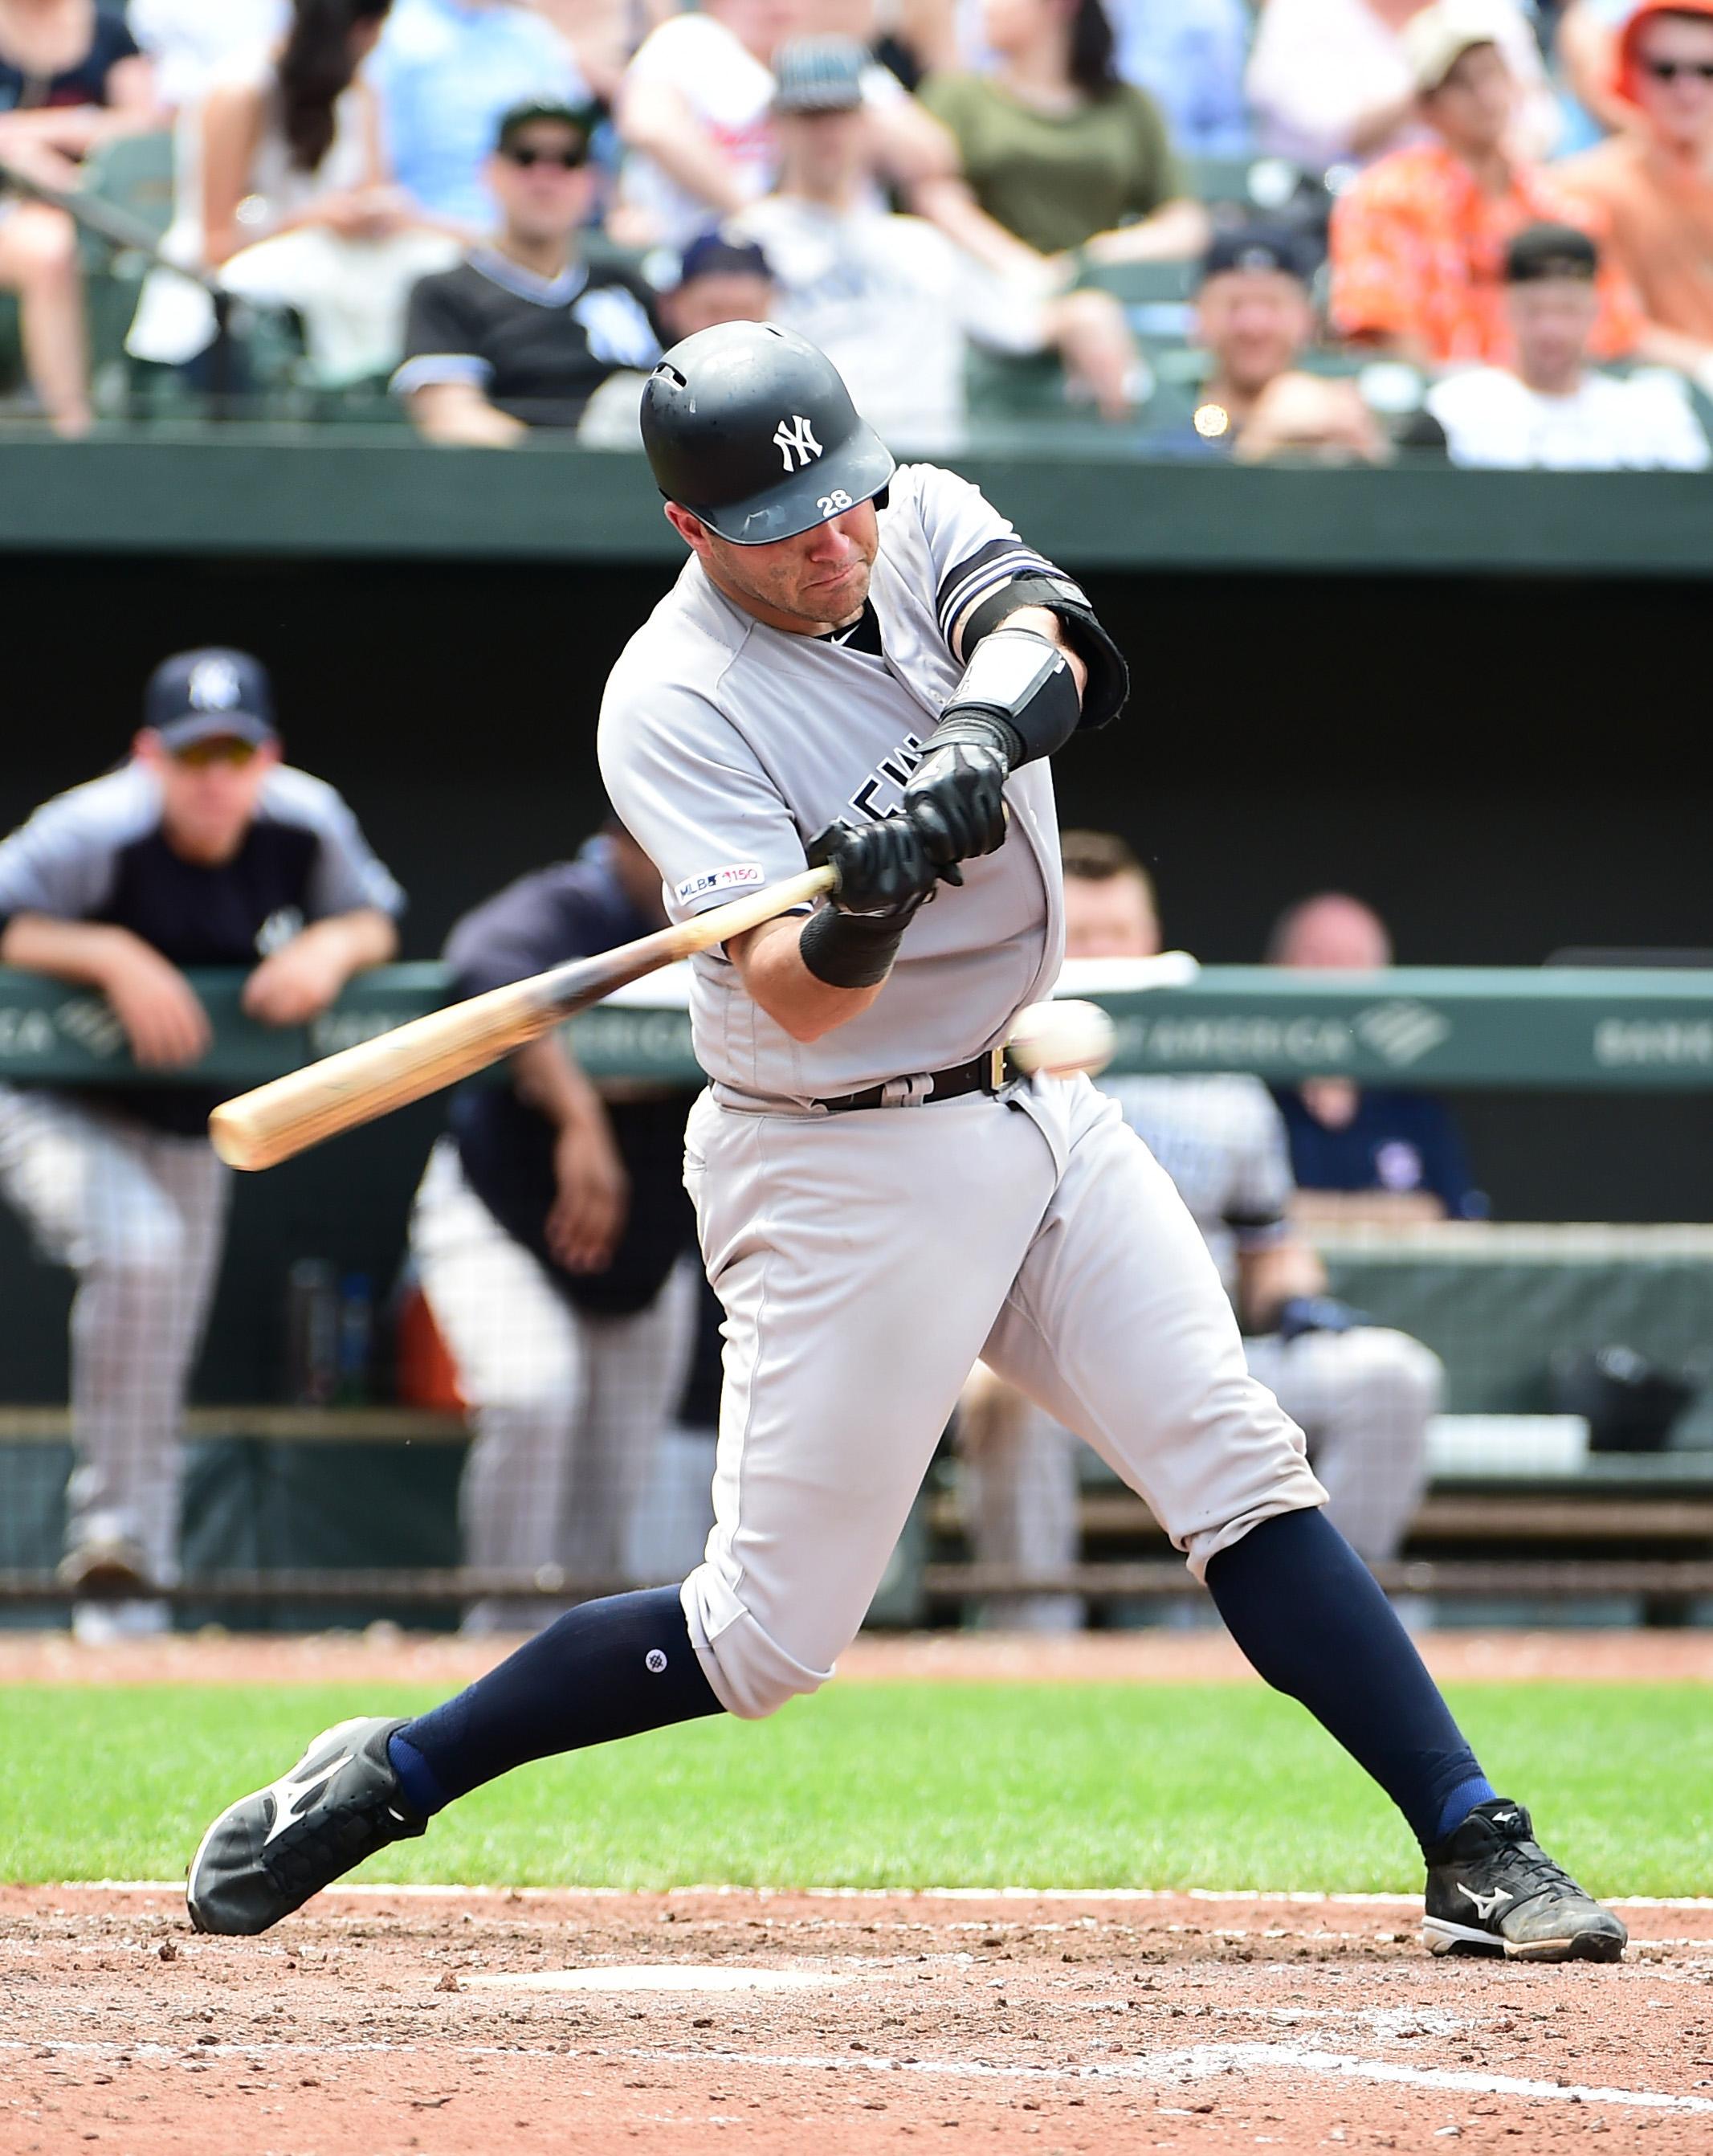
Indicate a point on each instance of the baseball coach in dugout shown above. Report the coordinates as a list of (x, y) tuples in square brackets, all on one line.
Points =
[(867, 666)]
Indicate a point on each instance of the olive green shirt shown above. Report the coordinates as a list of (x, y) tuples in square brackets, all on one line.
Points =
[(1056, 182)]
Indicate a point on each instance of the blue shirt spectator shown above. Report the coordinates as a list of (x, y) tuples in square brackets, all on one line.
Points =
[(1189, 56), (444, 71), (1401, 1142)]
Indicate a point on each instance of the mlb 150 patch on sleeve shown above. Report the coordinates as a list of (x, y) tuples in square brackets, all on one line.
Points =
[(741, 876)]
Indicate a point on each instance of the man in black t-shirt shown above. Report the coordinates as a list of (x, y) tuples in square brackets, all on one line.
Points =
[(548, 1234), (523, 332), (203, 850)]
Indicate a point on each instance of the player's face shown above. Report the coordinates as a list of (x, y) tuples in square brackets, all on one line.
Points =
[(208, 795), (1552, 319), (1670, 87), (1255, 322), (1109, 917), (541, 181), (803, 585)]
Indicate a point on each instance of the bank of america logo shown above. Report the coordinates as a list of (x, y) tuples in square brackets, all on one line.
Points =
[(796, 437), (1402, 1032)]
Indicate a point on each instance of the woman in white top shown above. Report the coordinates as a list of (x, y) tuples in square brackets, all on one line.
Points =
[(1329, 85), (281, 189)]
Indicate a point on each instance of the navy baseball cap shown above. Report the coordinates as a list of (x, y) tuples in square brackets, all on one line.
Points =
[(712, 254), (210, 695), (1274, 247)]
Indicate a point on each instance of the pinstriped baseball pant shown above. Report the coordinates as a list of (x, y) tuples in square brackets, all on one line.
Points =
[(139, 1216), (1363, 1398), (568, 1407)]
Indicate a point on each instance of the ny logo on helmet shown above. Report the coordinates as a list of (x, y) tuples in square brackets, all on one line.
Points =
[(796, 437)]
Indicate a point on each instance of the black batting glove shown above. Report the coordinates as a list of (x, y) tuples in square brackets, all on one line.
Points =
[(955, 796), (884, 868)]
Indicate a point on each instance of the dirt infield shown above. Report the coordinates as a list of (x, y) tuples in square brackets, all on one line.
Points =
[(393, 2022), (455, 2026)]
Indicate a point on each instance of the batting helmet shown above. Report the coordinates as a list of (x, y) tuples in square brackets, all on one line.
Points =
[(751, 429)]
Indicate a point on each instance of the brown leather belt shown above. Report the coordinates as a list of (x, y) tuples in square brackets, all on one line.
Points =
[(989, 1073)]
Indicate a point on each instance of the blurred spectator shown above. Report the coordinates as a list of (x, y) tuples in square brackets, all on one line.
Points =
[(1333, 82), (1056, 155), (444, 72), (281, 188), (549, 1234), (1189, 56), (1584, 45), (891, 300), (721, 278), (1362, 1394), (1551, 409), (70, 77), (1255, 318), (188, 40), (523, 333), (1418, 239), (1362, 1153), (603, 33), (695, 114), (203, 850), (1653, 182)]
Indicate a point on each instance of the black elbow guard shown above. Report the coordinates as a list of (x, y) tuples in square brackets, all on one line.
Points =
[(1023, 680), (1108, 689)]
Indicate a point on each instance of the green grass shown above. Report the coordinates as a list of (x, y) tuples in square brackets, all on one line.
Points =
[(891, 1785)]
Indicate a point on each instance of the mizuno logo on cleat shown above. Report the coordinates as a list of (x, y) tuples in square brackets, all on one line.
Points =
[(1486, 1904), (293, 1797), (1505, 1818)]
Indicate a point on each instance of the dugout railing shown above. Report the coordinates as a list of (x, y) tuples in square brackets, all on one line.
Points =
[(347, 1511)]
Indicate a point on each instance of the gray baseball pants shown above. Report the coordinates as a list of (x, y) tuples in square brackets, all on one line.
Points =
[(139, 1216)]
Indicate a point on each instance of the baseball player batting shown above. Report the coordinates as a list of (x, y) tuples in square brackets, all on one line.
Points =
[(866, 666)]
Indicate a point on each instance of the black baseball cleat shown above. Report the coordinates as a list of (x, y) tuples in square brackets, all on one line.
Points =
[(1493, 1889), (267, 1854)]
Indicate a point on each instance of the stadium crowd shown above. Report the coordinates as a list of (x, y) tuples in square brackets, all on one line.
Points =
[(1338, 227)]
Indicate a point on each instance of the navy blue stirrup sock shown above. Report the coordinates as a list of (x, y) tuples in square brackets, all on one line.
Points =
[(607, 1669), (1310, 1616)]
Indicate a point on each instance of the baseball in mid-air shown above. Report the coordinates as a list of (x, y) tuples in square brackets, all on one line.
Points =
[(1060, 1039)]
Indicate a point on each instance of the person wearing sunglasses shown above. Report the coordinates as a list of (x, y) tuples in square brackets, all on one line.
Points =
[(523, 332), (202, 848), (1653, 182)]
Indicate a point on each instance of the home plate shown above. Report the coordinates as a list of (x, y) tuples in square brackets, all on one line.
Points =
[(650, 1976)]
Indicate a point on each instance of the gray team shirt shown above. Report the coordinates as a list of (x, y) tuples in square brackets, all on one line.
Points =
[(66, 860), (1223, 1141), (726, 746)]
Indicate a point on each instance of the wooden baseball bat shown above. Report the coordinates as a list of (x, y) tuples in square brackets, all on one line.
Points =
[(289, 1114)]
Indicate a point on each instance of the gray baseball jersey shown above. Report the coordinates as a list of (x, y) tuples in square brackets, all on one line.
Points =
[(865, 1261), (1222, 1141), (726, 746)]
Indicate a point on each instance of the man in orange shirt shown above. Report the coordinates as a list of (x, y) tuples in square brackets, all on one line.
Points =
[(1418, 239), (1655, 184)]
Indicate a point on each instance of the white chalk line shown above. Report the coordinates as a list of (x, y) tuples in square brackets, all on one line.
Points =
[(1299, 1898), (1191, 2063)]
